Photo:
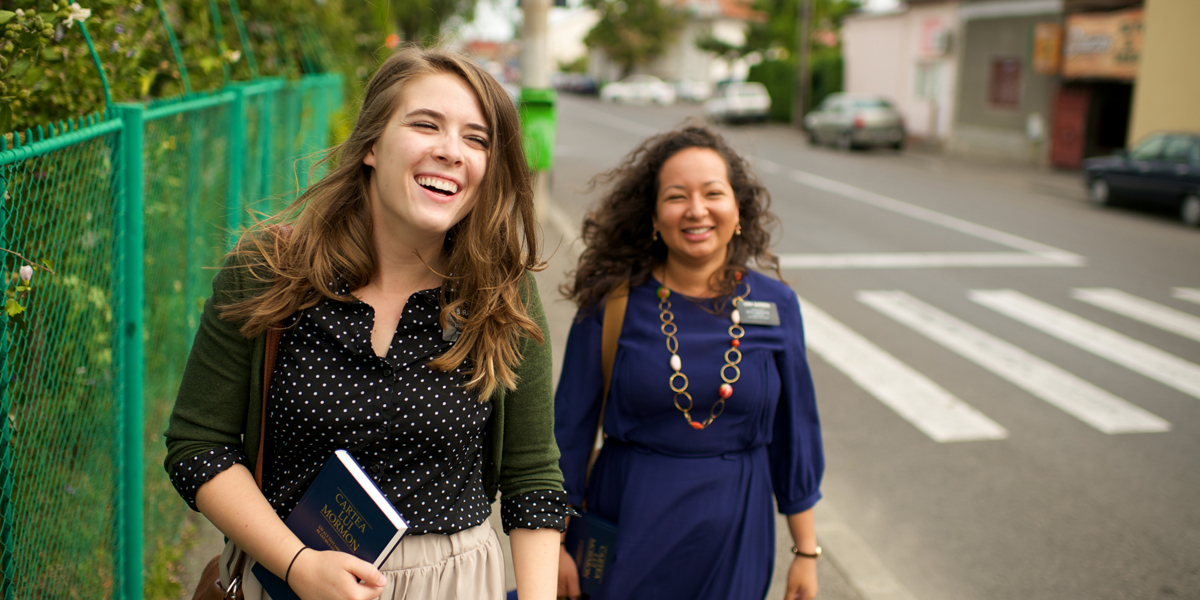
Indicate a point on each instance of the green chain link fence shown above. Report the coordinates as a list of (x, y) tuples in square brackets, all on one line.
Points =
[(123, 214)]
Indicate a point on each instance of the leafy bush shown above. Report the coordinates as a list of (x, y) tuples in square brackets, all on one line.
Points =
[(47, 73), (779, 77)]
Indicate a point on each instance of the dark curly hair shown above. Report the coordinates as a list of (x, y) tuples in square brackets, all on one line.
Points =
[(617, 235)]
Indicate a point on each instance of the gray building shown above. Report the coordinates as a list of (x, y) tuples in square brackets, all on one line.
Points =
[(1003, 105)]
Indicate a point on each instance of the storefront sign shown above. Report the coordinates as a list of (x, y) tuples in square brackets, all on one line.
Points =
[(1047, 48), (1105, 45), (935, 38)]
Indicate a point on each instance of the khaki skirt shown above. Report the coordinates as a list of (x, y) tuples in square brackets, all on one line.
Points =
[(467, 564)]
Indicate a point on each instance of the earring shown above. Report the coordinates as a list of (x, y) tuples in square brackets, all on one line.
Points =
[(737, 230), (654, 236)]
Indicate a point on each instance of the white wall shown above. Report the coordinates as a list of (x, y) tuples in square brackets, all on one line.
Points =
[(884, 53), (922, 113), (873, 53)]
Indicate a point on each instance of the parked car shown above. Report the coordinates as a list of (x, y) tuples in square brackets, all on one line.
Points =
[(748, 101), (1163, 169), (851, 121), (574, 83), (690, 90), (639, 89)]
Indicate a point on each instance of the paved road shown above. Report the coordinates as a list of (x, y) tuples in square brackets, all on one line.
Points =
[(1008, 377)]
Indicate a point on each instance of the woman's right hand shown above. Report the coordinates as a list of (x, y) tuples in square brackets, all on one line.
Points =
[(329, 575), (568, 575)]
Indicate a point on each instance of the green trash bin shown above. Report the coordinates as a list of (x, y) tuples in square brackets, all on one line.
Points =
[(538, 127)]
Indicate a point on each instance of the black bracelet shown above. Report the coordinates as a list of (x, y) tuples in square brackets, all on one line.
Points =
[(814, 555), (289, 569)]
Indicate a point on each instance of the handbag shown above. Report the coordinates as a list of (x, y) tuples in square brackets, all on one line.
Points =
[(590, 538), (209, 586)]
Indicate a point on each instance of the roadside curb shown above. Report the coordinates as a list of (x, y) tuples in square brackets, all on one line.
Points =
[(855, 559)]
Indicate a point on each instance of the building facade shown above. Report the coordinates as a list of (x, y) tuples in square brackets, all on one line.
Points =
[(910, 57), (1167, 95), (1002, 103)]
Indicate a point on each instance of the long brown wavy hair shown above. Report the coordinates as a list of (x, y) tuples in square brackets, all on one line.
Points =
[(326, 235), (618, 234)]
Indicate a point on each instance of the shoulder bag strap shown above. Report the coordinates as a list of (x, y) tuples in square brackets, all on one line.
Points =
[(614, 319), (234, 590), (273, 337)]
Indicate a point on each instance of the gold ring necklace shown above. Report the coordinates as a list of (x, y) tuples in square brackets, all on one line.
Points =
[(733, 355)]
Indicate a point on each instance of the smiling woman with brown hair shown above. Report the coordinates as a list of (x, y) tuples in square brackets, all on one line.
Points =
[(711, 409), (410, 333)]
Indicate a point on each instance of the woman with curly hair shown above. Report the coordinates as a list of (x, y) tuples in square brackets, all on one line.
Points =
[(710, 410), (396, 302)]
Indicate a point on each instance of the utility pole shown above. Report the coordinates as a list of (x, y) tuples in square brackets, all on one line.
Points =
[(538, 120), (801, 86)]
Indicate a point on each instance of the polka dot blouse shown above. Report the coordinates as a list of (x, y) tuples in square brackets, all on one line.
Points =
[(415, 429)]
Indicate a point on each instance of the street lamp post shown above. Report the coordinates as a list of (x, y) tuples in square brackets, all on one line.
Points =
[(538, 119), (800, 93)]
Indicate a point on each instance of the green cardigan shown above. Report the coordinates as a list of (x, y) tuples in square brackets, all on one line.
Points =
[(220, 398)]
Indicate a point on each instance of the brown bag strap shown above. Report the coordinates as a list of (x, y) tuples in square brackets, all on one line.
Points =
[(614, 319), (272, 352), (273, 337)]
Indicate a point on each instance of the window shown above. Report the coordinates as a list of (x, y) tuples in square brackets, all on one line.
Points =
[(872, 103), (1177, 149), (1150, 149), (928, 83), (1004, 85)]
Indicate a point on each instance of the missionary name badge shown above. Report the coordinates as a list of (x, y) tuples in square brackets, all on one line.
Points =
[(758, 312)]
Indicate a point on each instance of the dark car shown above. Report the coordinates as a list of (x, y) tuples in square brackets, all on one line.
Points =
[(1164, 169)]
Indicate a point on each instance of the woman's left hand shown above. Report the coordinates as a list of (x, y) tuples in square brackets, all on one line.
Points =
[(802, 579)]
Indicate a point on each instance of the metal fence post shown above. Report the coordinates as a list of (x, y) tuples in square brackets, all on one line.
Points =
[(267, 109), (235, 154), (6, 462), (131, 211)]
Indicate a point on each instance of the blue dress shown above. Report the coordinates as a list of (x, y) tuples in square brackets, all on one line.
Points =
[(693, 508)]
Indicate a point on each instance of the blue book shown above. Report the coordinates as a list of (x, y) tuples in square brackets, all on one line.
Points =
[(341, 510), (590, 541)]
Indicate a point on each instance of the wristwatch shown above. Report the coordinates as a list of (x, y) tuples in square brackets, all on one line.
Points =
[(815, 555)]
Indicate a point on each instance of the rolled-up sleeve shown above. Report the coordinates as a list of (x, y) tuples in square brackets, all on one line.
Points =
[(544, 509), (189, 474)]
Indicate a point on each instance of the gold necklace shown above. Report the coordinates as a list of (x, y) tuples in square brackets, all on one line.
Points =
[(733, 355)]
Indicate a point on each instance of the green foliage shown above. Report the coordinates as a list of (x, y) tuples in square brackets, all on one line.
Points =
[(633, 32), (779, 30), (579, 65), (47, 73), (779, 77), (421, 20), (776, 40)]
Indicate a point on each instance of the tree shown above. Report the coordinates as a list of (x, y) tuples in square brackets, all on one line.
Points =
[(421, 20), (775, 41), (633, 32)]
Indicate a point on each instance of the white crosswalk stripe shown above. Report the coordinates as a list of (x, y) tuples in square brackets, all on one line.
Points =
[(923, 403), (1189, 294), (1142, 310), (1151, 362), (1042, 379)]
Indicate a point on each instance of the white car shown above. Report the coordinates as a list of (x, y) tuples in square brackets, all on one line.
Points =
[(748, 101), (639, 89), (689, 90)]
